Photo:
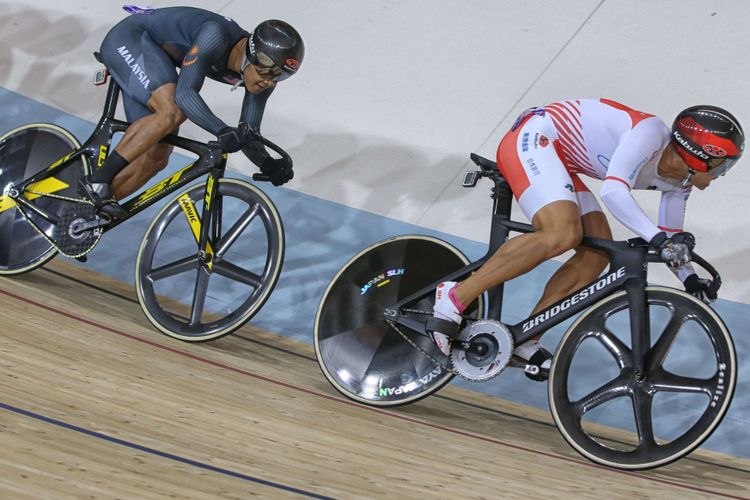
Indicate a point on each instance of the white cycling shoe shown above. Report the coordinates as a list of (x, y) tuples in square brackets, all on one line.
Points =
[(446, 308)]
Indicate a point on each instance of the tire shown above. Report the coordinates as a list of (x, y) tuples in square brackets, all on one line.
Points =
[(25, 151), (688, 384), (358, 352), (242, 275)]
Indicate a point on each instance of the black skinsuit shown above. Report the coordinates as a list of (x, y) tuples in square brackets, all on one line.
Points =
[(143, 52)]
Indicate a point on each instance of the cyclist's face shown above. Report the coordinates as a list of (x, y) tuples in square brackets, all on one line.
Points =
[(700, 179), (257, 80)]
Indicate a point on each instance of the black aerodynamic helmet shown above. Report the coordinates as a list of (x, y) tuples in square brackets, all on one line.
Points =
[(708, 138), (276, 45)]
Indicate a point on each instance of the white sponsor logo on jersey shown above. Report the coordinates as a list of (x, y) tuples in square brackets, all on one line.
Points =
[(134, 66)]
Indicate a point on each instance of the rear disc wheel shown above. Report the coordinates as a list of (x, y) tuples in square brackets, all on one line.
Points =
[(358, 352), (25, 151)]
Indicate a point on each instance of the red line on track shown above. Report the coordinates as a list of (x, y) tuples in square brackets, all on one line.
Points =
[(359, 405)]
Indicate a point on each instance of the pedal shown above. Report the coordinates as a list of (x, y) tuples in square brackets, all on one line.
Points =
[(101, 76), (525, 367), (531, 369)]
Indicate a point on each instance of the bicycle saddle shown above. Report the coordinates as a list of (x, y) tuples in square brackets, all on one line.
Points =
[(483, 163)]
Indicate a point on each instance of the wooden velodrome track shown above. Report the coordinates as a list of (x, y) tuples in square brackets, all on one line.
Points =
[(96, 403)]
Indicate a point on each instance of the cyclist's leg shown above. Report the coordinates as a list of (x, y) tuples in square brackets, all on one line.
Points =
[(580, 269), (587, 263), (545, 193), (139, 171), (147, 131), (558, 229), (147, 78)]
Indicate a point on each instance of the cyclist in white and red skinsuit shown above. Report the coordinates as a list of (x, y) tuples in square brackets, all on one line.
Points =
[(542, 157)]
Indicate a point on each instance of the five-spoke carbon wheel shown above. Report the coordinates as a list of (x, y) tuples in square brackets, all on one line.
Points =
[(25, 151), (690, 372), (358, 352), (197, 296)]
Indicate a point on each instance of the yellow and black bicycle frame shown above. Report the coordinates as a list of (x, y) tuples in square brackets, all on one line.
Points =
[(211, 160)]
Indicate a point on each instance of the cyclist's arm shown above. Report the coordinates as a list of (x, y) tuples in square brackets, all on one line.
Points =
[(639, 146), (211, 43), (253, 106), (672, 220)]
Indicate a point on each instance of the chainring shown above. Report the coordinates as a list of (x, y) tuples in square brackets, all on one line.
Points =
[(77, 244), (486, 349)]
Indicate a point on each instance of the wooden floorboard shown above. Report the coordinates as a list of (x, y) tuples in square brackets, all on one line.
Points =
[(97, 403)]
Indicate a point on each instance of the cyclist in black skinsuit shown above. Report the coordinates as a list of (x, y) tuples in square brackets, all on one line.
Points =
[(142, 53)]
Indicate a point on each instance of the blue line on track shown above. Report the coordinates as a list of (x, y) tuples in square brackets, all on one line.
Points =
[(158, 453)]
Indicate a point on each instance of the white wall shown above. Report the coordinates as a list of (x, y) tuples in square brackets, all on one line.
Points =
[(394, 95)]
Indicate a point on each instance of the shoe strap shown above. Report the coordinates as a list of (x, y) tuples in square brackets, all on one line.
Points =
[(443, 326)]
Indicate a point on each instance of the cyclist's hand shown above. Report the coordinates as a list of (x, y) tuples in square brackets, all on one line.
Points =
[(232, 139), (675, 252), (700, 288), (279, 170)]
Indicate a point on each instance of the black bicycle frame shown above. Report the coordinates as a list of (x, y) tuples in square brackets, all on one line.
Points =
[(627, 271)]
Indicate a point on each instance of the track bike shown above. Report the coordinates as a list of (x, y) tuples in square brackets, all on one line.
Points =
[(217, 245), (656, 355)]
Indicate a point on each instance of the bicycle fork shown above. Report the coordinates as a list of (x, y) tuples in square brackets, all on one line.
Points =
[(640, 324), (206, 228)]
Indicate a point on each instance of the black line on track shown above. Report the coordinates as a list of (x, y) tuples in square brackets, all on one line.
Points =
[(158, 453), (90, 285), (446, 398)]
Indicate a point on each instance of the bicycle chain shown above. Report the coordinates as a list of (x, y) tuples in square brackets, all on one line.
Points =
[(432, 358), (42, 233), (59, 196), (445, 367)]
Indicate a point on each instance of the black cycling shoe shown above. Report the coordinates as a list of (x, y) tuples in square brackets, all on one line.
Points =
[(100, 193), (538, 359)]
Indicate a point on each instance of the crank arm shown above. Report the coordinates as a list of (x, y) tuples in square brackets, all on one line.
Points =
[(80, 227), (526, 367)]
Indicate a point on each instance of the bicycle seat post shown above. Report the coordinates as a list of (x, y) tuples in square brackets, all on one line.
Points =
[(502, 199), (110, 106)]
